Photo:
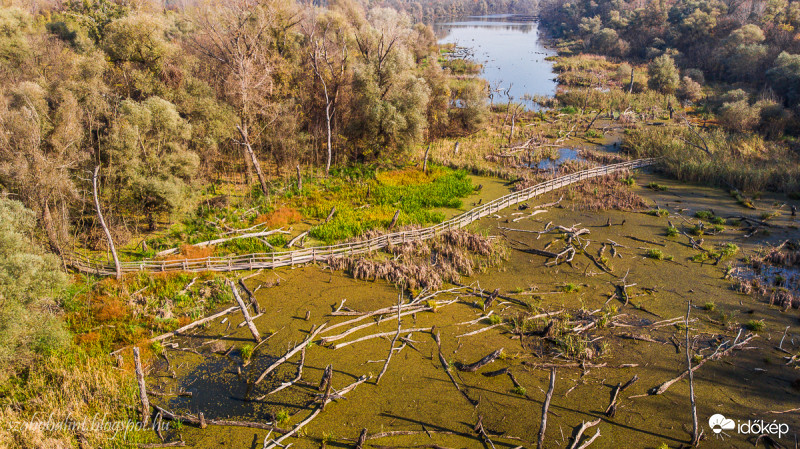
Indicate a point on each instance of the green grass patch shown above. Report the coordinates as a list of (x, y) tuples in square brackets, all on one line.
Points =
[(672, 231), (704, 214), (246, 352), (371, 203), (570, 288), (755, 325), (696, 230), (658, 212), (655, 253), (657, 187)]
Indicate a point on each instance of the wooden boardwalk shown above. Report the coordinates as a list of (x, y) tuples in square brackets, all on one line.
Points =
[(323, 253)]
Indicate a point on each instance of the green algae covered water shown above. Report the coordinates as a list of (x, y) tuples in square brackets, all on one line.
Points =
[(416, 404)]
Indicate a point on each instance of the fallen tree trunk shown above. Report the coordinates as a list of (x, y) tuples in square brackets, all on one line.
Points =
[(471, 368), (382, 334), (313, 415), (167, 252), (446, 367), (142, 386), (296, 239), (246, 314), (289, 354), (545, 406), (611, 410), (218, 422), (584, 426), (660, 389)]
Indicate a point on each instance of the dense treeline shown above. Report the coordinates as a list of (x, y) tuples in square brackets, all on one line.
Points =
[(752, 42), (166, 98), (431, 10)]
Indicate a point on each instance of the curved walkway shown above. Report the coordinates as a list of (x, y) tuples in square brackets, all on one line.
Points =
[(322, 253)]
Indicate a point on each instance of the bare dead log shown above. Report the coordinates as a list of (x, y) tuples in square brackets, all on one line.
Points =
[(330, 214), (397, 335), (195, 421), (326, 378), (246, 314), (102, 221), (482, 433), (289, 354), (471, 368), (328, 386), (695, 426), (545, 406), (589, 126), (299, 179), (590, 440), (481, 330), (446, 367), (293, 381), (362, 438), (142, 386), (660, 389), (583, 427), (611, 410), (167, 252), (295, 240), (394, 219), (155, 445), (336, 337), (380, 335), (251, 296), (342, 392)]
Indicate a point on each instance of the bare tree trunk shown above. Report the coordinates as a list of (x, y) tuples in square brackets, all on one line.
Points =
[(103, 223), (299, 179), (254, 160), (545, 406), (630, 88), (246, 314), (425, 163), (328, 118), (513, 123), (49, 228), (695, 428), (248, 172), (142, 387)]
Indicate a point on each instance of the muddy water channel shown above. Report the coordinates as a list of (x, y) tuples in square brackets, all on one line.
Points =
[(417, 405)]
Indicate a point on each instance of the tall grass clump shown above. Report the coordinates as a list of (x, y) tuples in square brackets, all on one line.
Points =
[(743, 161)]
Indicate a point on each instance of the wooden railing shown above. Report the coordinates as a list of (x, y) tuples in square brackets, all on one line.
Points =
[(322, 253)]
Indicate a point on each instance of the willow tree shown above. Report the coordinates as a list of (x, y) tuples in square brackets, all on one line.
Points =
[(390, 98), (149, 161), (39, 144)]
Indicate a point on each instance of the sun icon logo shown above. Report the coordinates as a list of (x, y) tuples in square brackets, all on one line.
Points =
[(719, 423)]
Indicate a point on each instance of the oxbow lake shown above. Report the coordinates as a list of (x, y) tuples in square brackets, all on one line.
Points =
[(510, 51)]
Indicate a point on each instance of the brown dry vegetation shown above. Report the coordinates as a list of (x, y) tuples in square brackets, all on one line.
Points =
[(88, 388), (426, 264), (772, 277), (282, 216), (604, 193)]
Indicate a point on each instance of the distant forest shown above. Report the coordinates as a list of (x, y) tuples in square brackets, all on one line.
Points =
[(431, 10), (754, 43)]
